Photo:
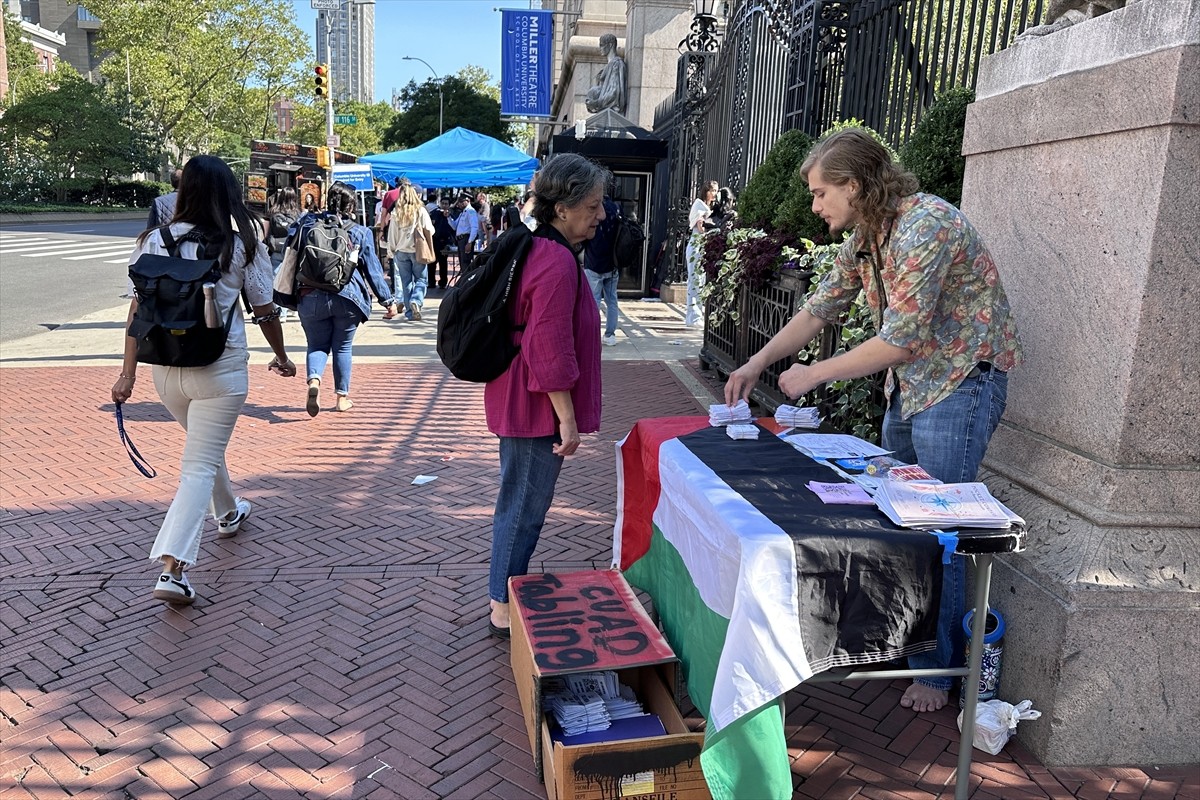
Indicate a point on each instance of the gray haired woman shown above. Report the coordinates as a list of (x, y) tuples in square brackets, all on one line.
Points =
[(550, 394)]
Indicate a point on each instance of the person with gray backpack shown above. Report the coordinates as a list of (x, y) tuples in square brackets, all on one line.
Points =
[(335, 264)]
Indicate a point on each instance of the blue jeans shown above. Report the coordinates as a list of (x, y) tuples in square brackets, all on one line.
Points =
[(330, 322), (408, 280), (528, 471), (949, 439), (605, 286)]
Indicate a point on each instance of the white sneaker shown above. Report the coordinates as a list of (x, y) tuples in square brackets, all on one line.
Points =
[(176, 591), (611, 341), (229, 524)]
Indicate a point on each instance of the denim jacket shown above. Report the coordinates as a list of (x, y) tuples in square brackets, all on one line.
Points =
[(369, 271)]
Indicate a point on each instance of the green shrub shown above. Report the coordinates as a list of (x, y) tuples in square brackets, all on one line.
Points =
[(795, 213), (768, 186), (934, 150)]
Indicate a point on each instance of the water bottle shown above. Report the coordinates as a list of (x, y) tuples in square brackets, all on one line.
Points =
[(993, 651), (211, 318)]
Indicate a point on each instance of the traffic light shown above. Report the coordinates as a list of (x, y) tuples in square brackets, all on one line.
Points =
[(321, 81)]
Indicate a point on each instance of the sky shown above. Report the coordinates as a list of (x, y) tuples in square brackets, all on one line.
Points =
[(449, 34)]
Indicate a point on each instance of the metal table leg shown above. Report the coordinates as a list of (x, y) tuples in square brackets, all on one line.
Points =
[(983, 581)]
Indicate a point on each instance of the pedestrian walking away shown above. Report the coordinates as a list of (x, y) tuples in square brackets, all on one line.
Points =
[(331, 316), (601, 270), (206, 400), (409, 219), (550, 393), (699, 222), (443, 239), (945, 334), (162, 210)]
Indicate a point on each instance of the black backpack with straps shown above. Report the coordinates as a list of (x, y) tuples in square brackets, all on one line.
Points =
[(169, 324), (475, 330)]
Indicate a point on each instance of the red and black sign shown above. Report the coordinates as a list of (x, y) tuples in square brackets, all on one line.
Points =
[(586, 621)]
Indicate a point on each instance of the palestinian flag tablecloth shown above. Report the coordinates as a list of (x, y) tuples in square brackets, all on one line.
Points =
[(759, 585)]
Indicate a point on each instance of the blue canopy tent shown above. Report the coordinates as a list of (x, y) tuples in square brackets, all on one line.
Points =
[(458, 157)]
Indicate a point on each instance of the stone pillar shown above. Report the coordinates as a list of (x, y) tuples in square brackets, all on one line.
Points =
[(1083, 174), (657, 27)]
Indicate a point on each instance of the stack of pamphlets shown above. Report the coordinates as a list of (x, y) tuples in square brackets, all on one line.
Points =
[(741, 431), (793, 417), (589, 701), (822, 446), (938, 506), (720, 414)]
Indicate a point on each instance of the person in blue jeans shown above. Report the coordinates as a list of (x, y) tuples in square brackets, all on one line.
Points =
[(601, 272), (330, 320), (945, 333)]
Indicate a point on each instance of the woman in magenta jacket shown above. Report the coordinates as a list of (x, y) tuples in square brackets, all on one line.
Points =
[(550, 394)]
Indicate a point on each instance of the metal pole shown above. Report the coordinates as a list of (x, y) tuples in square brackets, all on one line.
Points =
[(441, 86), (966, 742), (329, 95)]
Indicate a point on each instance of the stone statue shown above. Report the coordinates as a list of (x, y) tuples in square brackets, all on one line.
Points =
[(1065, 13), (609, 91)]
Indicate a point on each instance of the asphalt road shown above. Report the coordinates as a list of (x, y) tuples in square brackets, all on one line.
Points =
[(52, 273)]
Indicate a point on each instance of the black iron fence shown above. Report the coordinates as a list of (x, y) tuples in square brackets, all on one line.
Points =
[(776, 65)]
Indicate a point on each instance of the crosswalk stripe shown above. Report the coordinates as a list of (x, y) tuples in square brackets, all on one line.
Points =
[(118, 261), (30, 243), (97, 255), (53, 250)]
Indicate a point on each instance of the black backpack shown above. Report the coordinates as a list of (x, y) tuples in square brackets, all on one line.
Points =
[(169, 324), (474, 332), (280, 224), (627, 243), (326, 255)]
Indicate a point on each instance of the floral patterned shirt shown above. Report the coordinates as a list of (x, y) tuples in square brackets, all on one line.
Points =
[(945, 304)]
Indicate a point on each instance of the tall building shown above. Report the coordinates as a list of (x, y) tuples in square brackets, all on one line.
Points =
[(352, 50), (77, 27)]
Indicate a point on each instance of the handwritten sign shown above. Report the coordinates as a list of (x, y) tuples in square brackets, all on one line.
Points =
[(586, 620)]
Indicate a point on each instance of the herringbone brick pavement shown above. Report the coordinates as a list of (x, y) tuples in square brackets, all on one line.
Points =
[(338, 648)]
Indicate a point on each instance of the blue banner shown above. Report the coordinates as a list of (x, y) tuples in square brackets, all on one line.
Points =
[(526, 58)]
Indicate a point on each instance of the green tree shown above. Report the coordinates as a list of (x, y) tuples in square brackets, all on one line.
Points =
[(76, 135), (202, 67), (934, 151), (471, 100), (365, 136), (24, 74)]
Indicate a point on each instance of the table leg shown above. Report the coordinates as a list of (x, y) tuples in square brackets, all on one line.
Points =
[(983, 581)]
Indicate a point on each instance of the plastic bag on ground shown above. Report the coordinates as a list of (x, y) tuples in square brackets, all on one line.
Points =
[(996, 722)]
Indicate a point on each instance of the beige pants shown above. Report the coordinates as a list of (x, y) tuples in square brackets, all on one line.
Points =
[(206, 401)]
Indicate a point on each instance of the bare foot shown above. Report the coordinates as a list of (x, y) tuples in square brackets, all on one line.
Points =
[(500, 616), (922, 698)]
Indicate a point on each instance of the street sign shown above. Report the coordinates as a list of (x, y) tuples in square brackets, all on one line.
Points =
[(344, 119), (333, 141), (326, 5)]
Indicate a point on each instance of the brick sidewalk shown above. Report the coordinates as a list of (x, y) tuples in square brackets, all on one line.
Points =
[(338, 648)]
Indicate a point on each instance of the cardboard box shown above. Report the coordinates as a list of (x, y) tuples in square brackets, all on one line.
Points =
[(588, 621)]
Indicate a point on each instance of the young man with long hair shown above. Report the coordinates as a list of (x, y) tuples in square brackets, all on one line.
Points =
[(944, 331)]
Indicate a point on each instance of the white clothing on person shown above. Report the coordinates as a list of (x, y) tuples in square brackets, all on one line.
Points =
[(697, 216), (206, 401)]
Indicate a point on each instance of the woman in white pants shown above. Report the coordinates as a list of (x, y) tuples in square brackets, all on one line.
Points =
[(699, 221), (206, 401)]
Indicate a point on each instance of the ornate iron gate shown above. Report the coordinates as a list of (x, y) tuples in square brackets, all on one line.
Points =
[(776, 65)]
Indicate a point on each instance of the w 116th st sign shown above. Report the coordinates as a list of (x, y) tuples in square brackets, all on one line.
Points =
[(344, 119)]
